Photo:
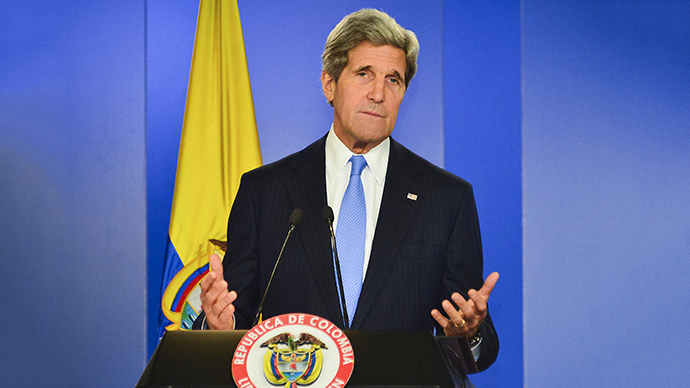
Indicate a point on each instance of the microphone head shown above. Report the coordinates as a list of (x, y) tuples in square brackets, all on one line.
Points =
[(296, 217), (328, 214)]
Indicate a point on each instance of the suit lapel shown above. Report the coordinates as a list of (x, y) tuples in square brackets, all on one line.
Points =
[(307, 191), (395, 216)]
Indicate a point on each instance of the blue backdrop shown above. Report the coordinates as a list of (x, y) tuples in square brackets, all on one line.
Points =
[(571, 119), (72, 193), (606, 193)]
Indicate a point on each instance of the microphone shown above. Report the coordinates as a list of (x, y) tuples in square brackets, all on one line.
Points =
[(328, 217), (295, 219)]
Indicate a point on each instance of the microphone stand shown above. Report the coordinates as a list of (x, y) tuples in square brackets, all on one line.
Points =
[(328, 216), (295, 219)]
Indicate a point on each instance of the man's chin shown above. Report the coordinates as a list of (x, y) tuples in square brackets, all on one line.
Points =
[(376, 136), (372, 130)]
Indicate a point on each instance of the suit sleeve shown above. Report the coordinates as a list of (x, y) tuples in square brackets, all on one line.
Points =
[(464, 270), (241, 262)]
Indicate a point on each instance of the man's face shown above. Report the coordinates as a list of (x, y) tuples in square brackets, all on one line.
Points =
[(367, 96)]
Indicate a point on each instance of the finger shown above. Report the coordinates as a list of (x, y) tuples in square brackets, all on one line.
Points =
[(208, 281), (438, 317), (444, 322), (480, 304), (216, 264), (223, 302), (221, 315), (456, 317), (229, 309), (215, 274), (218, 291), (473, 313), (225, 320), (489, 285), (215, 308), (450, 328), (479, 309), (466, 307), (213, 294)]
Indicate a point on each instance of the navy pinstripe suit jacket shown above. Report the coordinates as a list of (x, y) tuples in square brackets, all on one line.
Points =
[(423, 249)]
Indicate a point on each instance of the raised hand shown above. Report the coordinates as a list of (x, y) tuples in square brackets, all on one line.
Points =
[(216, 300), (465, 320)]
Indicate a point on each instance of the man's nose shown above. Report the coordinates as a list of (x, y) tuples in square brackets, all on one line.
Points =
[(377, 91)]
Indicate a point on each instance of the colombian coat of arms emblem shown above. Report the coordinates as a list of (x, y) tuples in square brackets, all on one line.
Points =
[(293, 351)]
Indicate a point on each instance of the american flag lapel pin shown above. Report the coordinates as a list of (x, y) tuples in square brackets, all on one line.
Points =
[(412, 196)]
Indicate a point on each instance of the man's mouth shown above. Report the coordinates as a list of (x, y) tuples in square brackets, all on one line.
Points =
[(372, 113)]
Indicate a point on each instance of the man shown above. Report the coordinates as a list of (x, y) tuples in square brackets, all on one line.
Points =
[(420, 243)]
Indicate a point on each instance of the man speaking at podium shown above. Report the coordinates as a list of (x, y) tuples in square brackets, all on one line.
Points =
[(407, 231)]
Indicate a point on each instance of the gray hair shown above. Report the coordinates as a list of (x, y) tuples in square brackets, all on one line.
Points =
[(368, 25)]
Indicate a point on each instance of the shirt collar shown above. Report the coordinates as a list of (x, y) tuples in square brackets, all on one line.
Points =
[(337, 156)]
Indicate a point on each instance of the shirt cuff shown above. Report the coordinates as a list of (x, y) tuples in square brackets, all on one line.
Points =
[(204, 325), (476, 349)]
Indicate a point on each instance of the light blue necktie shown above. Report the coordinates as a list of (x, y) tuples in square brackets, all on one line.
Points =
[(351, 234)]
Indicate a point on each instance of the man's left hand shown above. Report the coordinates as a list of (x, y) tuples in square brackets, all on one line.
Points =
[(465, 320)]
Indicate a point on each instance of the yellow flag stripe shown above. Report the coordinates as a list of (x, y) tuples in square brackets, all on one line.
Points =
[(219, 137)]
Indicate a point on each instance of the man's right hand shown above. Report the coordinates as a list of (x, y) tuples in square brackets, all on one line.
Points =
[(216, 300)]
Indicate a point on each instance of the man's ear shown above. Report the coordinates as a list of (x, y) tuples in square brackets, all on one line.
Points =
[(328, 86)]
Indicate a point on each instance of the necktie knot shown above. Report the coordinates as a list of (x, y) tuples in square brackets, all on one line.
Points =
[(358, 164)]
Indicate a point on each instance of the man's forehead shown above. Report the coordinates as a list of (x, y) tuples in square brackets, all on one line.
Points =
[(367, 55)]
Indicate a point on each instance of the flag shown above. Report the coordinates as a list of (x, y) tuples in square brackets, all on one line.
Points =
[(219, 143)]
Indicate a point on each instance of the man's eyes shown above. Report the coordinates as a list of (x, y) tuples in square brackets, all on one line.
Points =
[(392, 79)]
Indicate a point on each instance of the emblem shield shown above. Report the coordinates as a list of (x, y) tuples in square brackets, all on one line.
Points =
[(291, 362)]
